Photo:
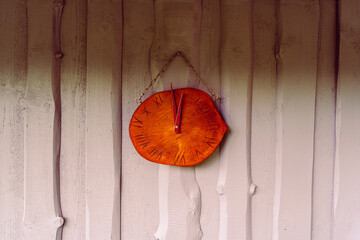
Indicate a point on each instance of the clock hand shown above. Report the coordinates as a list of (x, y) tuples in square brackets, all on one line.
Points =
[(173, 102), (178, 115)]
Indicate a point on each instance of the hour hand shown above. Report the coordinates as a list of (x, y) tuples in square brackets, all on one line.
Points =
[(178, 115), (173, 103)]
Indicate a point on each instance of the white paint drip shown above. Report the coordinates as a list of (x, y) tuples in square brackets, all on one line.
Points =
[(192, 190), (222, 199), (163, 202)]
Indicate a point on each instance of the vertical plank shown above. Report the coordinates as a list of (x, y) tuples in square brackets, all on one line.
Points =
[(41, 151), (295, 106), (13, 68), (263, 119), (324, 144), (116, 104), (73, 94), (139, 207), (236, 78), (177, 28), (102, 55), (347, 165), (57, 11), (207, 171)]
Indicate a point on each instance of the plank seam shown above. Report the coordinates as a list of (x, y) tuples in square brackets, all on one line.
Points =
[(336, 116), (249, 121), (56, 81), (278, 125), (319, 38)]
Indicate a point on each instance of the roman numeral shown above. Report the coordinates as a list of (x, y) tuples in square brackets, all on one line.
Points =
[(206, 110), (210, 142), (146, 111), (159, 156), (139, 137), (179, 157), (153, 152), (198, 153), (137, 121), (156, 101), (144, 145), (182, 159)]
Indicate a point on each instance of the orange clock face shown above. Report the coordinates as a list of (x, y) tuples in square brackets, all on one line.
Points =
[(180, 127)]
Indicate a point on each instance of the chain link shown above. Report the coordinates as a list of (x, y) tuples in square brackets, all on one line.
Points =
[(164, 68)]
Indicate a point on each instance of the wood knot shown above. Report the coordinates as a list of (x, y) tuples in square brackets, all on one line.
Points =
[(252, 189), (59, 221), (59, 4), (59, 55)]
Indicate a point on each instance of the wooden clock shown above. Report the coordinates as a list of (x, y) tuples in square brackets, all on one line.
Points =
[(179, 127)]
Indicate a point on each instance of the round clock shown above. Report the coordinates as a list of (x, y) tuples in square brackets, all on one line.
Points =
[(180, 127)]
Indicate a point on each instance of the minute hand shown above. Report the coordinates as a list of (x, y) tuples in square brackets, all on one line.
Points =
[(178, 115)]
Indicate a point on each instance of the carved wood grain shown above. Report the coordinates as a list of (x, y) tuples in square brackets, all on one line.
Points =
[(296, 91), (324, 145), (263, 119), (346, 207), (13, 71), (207, 171), (73, 115), (140, 218), (234, 176), (42, 213)]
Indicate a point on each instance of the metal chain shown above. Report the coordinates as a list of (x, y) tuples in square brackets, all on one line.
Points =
[(164, 68)]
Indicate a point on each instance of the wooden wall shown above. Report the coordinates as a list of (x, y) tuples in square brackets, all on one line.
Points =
[(289, 78)]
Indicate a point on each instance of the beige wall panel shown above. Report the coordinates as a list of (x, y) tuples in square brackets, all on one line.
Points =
[(13, 67), (347, 178), (324, 145), (139, 205), (116, 103), (73, 129), (207, 172), (41, 186), (236, 83), (263, 119), (101, 162), (296, 83)]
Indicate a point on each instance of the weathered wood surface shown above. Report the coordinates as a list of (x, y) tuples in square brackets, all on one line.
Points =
[(294, 123), (101, 159), (236, 78), (263, 119), (324, 134), (73, 106), (296, 84), (139, 207), (347, 164), (41, 218), (207, 171), (13, 70)]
